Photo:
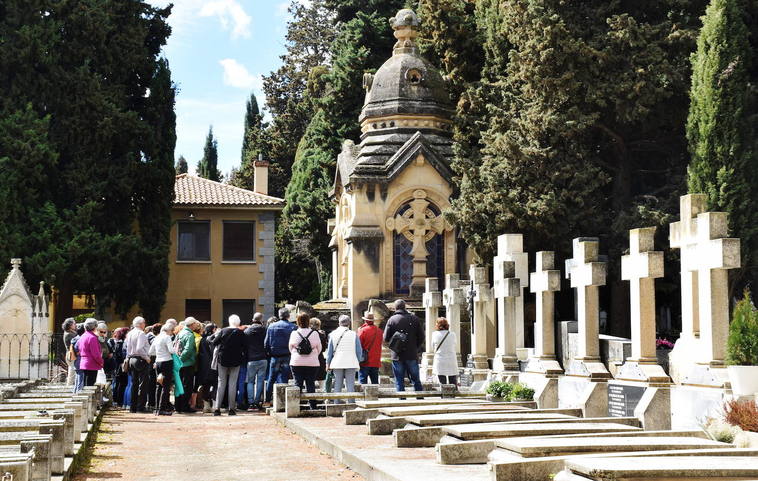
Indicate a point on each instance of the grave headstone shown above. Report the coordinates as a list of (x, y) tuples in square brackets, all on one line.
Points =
[(545, 281), (483, 322), (432, 301), (641, 267), (706, 256), (511, 275), (587, 274)]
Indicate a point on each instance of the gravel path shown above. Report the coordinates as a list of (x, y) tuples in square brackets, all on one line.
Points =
[(143, 447)]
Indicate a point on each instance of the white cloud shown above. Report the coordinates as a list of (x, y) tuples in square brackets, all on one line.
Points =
[(236, 75), (231, 15)]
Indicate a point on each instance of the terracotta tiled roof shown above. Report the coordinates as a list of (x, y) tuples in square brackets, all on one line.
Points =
[(197, 191)]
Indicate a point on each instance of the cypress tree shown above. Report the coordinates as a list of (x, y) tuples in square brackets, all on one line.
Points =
[(254, 145), (207, 167), (720, 131), (181, 166)]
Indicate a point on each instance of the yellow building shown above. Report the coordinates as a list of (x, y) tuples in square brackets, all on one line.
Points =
[(390, 191), (221, 260)]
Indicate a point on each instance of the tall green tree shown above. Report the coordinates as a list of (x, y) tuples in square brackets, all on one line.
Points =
[(207, 167), (310, 33), (181, 165), (364, 41), (254, 144), (105, 55), (721, 127), (584, 105)]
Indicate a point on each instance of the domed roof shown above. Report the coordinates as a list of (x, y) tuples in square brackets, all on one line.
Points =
[(406, 83)]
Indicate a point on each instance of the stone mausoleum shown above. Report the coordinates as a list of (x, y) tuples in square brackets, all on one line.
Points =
[(391, 189)]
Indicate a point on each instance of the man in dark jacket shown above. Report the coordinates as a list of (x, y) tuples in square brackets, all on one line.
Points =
[(255, 335), (277, 345), (405, 359)]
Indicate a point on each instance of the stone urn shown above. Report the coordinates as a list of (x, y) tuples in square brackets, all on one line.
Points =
[(663, 358)]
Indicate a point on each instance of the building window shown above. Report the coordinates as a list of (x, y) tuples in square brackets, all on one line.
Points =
[(245, 308), (239, 241), (403, 259), (194, 241), (200, 309)]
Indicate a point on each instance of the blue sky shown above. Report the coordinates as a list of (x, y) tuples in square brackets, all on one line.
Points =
[(218, 51)]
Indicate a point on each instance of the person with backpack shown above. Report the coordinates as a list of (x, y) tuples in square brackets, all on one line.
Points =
[(371, 340), (305, 346), (404, 333), (344, 356), (444, 344)]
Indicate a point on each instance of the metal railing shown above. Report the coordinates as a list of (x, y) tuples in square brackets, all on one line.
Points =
[(32, 356)]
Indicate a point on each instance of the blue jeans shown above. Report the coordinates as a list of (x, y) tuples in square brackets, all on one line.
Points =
[(349, 376), (79, 381), (369, 372), (278, 372), (410, 368), (242, 385), (256, 374)]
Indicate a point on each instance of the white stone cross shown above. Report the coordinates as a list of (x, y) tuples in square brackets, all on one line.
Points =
[(545, 281), (641, 267), (432, 300), (587, 274), (454, 299), (483, 323), (683, 236), (507, 291), (510, 296)]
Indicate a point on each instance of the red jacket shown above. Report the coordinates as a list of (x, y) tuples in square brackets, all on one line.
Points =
[(371, 340)]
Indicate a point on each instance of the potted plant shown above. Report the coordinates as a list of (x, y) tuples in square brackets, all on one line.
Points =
[(663, 348), (742, 348)]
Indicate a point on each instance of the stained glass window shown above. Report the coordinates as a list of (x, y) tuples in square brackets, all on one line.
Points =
[(403, 260)]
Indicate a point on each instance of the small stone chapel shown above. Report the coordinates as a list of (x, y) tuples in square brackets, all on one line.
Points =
[(390, 190)]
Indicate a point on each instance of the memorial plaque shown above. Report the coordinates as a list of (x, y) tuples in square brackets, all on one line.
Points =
[(466, 377), (623, 399)]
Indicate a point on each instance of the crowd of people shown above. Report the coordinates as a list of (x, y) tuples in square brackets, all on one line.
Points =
[(235, 367)]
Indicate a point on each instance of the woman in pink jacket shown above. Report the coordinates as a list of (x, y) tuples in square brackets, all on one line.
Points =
[(90, 352), (304, 361)]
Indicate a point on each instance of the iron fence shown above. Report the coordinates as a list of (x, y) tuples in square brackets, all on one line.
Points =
[(32, 356)]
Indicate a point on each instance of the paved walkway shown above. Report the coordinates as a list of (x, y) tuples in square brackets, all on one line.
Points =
[(142, 447)]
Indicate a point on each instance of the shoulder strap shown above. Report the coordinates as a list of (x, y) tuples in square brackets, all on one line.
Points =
[(442, 341), (340, 339)]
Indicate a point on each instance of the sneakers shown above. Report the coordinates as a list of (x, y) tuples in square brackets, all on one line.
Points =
[(232, 412), (217, 412), (165, 413), (253, 407)]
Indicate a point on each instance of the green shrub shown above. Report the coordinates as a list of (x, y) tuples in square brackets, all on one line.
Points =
[(742, 344), (510, 391), (522, 392)]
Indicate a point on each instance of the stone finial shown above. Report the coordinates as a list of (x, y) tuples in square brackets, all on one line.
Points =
[(405, 24), (15, 263)]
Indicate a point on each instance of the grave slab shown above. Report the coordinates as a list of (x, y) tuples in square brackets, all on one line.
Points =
[(490, 431), (529, 447), (418, 410), (385, 403), (673, 467), (506, 466), (472, 418)]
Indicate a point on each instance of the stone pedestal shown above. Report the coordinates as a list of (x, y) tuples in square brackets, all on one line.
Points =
[(545, 388), (587, 274), (483, 307), (585, 394)]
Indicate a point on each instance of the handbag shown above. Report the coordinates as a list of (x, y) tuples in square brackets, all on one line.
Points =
[(329, 381)]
